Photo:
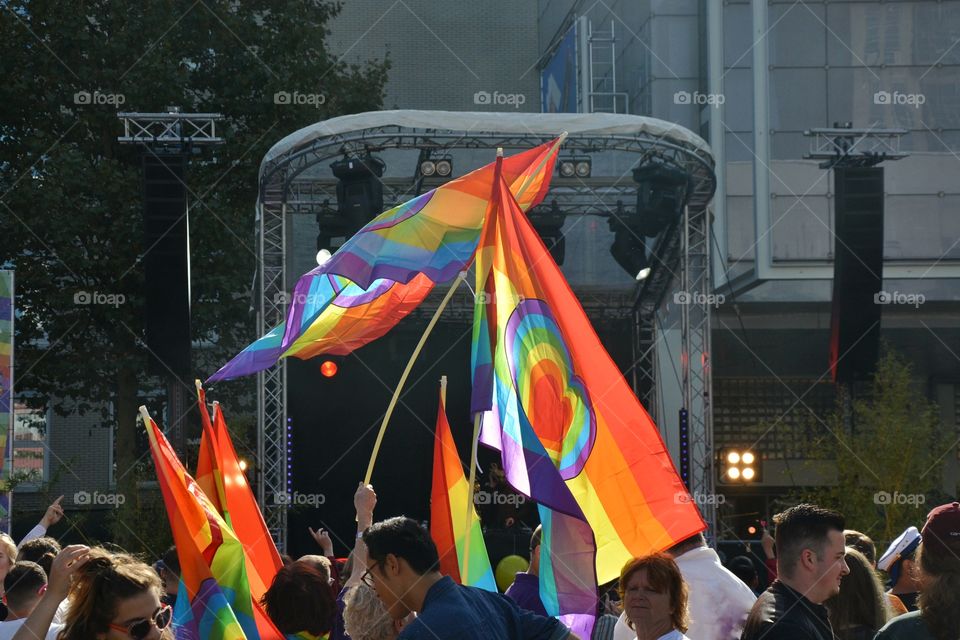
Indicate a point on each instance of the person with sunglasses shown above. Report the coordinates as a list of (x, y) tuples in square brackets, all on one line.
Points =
[(23, 586), (113, 596)]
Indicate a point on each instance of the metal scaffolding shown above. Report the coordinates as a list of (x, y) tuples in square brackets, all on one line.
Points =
[(288, 185)]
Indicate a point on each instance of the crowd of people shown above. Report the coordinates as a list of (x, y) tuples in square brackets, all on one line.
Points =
[(826, 585)]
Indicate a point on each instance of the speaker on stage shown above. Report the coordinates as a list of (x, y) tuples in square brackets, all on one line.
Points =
[(166, 263), (858, 273)]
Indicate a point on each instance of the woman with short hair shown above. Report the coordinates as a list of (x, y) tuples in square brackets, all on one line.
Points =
[(654, 598)]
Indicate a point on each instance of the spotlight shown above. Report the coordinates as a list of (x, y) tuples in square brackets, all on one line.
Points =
[(444, 167), (580, 167), (629, 249), (739, 466), (548, 223), (329, 368), (243, 465), (428, 168), (322, 256), (662, 192)]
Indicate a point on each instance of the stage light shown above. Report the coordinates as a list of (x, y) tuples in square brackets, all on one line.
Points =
[(428, 168), (243, 465), (329, 368), (752, 530), (322, 256), (629, 249), (444, 167), (580, 167), (548, 223), (739, 466), (662, 191)]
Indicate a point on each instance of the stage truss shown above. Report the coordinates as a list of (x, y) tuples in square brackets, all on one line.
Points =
[(287, 186)]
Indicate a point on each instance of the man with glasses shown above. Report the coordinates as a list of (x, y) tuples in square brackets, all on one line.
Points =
[(402, 567)]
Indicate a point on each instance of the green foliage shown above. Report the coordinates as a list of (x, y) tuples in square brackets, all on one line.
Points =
[(889, 450), (70, 194)]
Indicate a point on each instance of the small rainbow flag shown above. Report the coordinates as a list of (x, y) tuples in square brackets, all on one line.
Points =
[(219, 474), (217, 604), (448, 514)]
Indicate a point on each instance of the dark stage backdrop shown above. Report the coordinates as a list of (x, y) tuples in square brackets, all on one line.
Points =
[(335, 423)]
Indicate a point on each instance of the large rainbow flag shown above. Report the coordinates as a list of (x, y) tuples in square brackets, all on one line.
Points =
[(218, 604), (572, 435), (449, 502), (387, 268), (219, 474)]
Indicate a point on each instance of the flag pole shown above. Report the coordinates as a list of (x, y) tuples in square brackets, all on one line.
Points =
[(470, 507), (476, 425), (403, 378)]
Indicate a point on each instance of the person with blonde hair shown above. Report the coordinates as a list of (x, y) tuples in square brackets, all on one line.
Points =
[(365, 617), (861, 607), (113, 596)]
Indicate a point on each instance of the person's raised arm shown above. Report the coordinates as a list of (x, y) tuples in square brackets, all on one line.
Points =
[(65, 565), (364, 500), (51, 516)]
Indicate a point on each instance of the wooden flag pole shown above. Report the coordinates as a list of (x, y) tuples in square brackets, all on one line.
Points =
[(470, 507), (406, 372)]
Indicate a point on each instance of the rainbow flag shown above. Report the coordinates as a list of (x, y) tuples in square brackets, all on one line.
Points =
[(388, 267), (6, 390), (217, 604), (448, 514), (219, 474), (571, 433)]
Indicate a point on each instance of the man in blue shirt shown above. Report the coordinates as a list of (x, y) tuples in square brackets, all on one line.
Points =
[(402, 566)]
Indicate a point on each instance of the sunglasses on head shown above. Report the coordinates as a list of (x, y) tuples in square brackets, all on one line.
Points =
[(140, 629)]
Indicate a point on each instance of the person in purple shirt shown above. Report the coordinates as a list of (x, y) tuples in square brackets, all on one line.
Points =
[(403, 568), (525, 590)]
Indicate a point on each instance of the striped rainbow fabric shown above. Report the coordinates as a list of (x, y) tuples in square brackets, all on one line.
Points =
[(222, 480), (572, 435), (388, 267), (218, 603), (448, 514)]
